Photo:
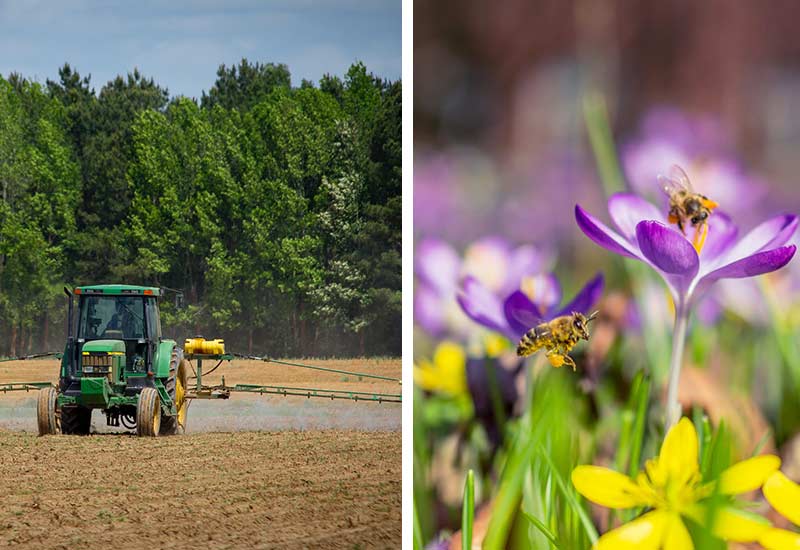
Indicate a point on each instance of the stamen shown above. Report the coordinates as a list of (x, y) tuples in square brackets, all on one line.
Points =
[(527, 286), (699, 239)]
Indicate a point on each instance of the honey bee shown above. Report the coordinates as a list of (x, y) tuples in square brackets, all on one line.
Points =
[(558, 337), (685, 205)]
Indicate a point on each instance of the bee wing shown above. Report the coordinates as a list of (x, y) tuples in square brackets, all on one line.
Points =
[(677, 180)]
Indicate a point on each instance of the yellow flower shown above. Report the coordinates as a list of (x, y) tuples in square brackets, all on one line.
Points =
[(447, 373), (784, 495), (672, 486)]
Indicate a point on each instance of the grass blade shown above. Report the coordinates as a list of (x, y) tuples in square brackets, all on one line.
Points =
[(542, 528), (586, 521), (597, 125), (419, 544), (468, 511)]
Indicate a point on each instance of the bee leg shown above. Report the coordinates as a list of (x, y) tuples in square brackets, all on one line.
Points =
[(555, 358), (571, 362)]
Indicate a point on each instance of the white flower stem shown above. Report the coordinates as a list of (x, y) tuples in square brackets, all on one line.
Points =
[(673, 410)]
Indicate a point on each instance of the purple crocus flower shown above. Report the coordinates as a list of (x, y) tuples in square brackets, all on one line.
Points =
[(479, 385), (492, 260), (535, 301), (645, 235)]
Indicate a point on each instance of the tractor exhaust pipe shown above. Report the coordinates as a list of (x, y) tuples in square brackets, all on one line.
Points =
[(69, 312)]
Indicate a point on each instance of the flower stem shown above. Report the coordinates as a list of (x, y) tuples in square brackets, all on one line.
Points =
[(673, 411)]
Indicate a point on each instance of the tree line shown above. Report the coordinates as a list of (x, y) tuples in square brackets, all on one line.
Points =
[(275, 209)]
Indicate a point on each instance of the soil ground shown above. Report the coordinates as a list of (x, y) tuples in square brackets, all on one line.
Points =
[(287, 472), (313, 489)]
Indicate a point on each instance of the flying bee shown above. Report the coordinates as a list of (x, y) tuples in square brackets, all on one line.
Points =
[(685, 205), (558, 337)]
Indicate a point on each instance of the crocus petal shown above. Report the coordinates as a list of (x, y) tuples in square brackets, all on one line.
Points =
[(757, 264), (482, 306), (679, 452), (524, 261), (721, 236), (731, 523), (585, 298), (748, 475), (772, 233), (644, 533), (447, 372), (676, 536), (627, 210), (487, 259), (667, 249), (603, 235), (521, 314), (607, 487), (543, 290), (784, 495), (429, 309), (480, 387), (780, 539), (437, 264)]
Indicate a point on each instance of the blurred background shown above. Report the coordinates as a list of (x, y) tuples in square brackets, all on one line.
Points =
[(523, 109), (498, 91)]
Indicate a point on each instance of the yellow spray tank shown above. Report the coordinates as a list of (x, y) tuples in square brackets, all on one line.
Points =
[(200, 346)]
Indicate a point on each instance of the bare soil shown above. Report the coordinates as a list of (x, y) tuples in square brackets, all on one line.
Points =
[(286, 472), (311, 489)]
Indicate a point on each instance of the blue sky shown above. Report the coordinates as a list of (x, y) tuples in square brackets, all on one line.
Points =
[(181, 43)]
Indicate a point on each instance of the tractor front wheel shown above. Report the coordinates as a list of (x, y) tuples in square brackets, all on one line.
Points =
[(75, 420), (47, 413), (148, 413)]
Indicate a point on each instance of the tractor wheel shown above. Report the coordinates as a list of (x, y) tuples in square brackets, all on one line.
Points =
[(148, 413), (176, 388), (47, 412), (75, 420)]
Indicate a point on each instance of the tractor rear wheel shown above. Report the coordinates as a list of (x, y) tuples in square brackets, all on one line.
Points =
[(75, 420), (176, 388), (47, 412), (148, 413)]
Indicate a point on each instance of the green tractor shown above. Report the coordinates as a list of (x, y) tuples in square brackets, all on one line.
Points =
[(119, 363)]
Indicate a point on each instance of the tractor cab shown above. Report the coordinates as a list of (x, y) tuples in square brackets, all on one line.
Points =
[(115, 319)]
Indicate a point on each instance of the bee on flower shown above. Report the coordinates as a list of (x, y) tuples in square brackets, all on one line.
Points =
[(686, 206)]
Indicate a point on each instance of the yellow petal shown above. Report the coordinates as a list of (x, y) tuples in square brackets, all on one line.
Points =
[(495, 344), (748, 475), (676, 536), (447, 374), (678, 456), (449, 357), (784, 495), (607, 487), (645, 533), (425, 376), (731, 523), (780, 539)]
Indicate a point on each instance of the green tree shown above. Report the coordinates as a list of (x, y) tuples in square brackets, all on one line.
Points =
[(245, 85)]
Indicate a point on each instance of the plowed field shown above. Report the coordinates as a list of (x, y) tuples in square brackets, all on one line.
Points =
[(252, 471)]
